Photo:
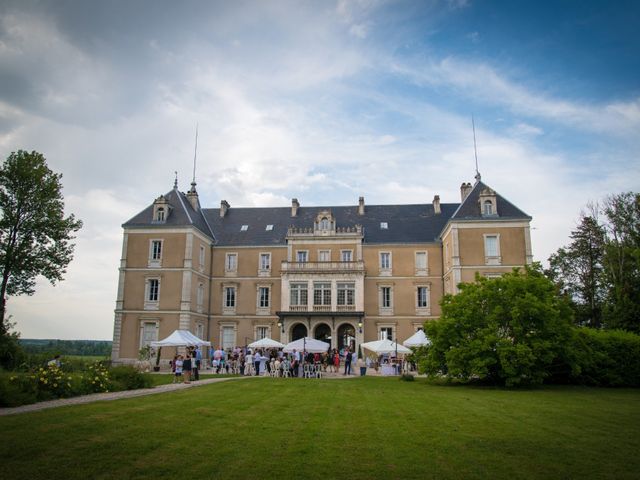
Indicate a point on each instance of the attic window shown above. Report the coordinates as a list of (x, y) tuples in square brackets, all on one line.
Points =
[(160, 214), (244, 228), (488, 207), (268, 228), (384, 226)]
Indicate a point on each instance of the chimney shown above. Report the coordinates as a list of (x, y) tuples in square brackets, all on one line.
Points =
[(192, 196), (436, 205), (465, 190), (294, 207), (361, 206), (224, 206)]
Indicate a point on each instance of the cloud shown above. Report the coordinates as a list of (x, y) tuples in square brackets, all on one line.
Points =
[(483, 83)]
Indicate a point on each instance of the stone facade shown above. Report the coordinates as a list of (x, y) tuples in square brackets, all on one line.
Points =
[(345, 274)]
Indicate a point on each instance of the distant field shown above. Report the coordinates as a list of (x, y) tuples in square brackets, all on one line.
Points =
[(362, 428)]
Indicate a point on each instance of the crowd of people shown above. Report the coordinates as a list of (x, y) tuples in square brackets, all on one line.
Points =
[(274, 362)]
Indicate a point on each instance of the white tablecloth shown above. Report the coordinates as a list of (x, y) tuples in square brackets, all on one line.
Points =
[(388, 370)]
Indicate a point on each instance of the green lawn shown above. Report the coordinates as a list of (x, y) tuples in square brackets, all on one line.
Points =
[(362, 428)]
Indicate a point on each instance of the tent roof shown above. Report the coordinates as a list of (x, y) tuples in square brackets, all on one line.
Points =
[(266, 343), (417, 339), (384, 346), (180, 338), (309, 344)]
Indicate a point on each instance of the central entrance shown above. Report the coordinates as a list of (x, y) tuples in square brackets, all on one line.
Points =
[(298, 331), (346, 337), (323, 333)]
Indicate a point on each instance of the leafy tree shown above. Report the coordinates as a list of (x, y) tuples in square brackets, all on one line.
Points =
[(622, 261), (35, 237), (578, 270), (508, 331)]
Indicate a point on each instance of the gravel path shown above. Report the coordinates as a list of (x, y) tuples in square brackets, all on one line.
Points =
[(103, 397)]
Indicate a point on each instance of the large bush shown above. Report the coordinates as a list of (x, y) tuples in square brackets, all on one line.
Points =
[(126, 377), (508, 331), (605, 358)]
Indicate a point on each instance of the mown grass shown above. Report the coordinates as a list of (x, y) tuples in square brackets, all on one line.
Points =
[(363, 428)]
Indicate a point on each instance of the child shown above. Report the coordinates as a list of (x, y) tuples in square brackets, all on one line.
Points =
[(178, 372)]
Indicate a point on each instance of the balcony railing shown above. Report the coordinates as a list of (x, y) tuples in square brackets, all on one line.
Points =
[(315, 267), (321, 308)]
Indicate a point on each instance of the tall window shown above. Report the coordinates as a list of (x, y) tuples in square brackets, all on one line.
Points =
[(228, 337), (149, 333), (491, 245), (201, 258), (385, 260), (421, 262), (230, 297), (299, 294), (302, 256), (159, 214), (200, 297), (487, 208), (324, 223), (346, 294), (153, 290), (385, 293), (265, 261), (263, 297), (386, 333), (324, 255), (423, 297), (346, 255), (322, 293), (262, 332), (156, 249), (231, 263)]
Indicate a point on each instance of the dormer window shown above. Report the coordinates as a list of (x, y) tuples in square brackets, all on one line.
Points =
[(161, 210), (325, 223), (487, 201)]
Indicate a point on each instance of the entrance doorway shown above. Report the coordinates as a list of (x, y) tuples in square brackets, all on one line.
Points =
[(298, 331), (347, 337), (323, 333)]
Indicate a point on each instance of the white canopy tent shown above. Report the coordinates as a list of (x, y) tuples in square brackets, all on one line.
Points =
[(307, 344), (266, 343), (418, 339), (181, 338), (385, 346)]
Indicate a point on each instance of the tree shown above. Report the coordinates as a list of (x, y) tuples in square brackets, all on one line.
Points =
[(578, 270), (622, 261), (508, 331), (35, 237)]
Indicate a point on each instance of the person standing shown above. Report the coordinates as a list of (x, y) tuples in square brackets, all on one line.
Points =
[(186, 369), (347, 362), (362, 366), (336, 361), (249, 362), (178, 369), (257, 358)]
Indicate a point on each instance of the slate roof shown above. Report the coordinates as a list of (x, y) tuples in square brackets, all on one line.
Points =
[(470, 208), (406, 223), (182, 214)]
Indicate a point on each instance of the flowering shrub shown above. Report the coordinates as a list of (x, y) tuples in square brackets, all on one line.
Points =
[(96, 378), (52, 382)]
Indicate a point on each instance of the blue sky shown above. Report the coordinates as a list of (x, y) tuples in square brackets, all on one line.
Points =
[(323, 101)]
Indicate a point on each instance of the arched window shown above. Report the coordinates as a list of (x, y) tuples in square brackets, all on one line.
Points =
[(487, 207), (160, 214), (324, 223)]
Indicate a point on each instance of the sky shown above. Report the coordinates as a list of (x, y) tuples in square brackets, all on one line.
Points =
[(324, 101)]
